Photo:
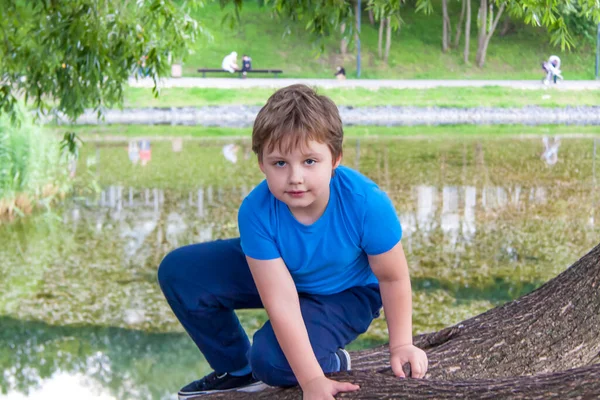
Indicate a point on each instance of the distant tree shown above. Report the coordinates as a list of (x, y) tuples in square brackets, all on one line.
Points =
[(387, 12), (467, 31), (487, 24), (460, 22), (552, 14), (446, 27), (464, 12), (67, 56), (322, 18)]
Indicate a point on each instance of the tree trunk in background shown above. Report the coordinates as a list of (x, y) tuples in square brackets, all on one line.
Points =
[(380, 41), (543, 345), (481, 32), (505, 26), (446, 31), (388, 39), (467, 32), (371, 17), (485, 40), (343, 42), (356, 24), (460, 23)]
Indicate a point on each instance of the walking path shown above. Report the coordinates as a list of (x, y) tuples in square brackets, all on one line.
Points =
[(236, 83)]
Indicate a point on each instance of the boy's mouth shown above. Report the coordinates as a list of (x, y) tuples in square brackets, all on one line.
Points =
[(296, 193)]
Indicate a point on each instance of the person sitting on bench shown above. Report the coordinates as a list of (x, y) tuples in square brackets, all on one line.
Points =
[(340, 73), (246, 64), (230, 62)]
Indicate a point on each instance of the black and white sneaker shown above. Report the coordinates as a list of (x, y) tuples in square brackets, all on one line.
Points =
[(214, 383), (345, 361)]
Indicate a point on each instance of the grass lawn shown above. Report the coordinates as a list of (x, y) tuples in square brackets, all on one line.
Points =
[(118, 132), (415, 51), (491, 96)]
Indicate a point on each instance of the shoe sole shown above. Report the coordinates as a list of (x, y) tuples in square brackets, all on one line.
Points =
[(348, 359), (252, 388)]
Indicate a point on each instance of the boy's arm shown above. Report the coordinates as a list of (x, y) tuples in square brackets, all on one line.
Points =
[(280, 298), (391, 269)]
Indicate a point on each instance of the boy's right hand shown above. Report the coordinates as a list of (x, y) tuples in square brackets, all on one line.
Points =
[(323, 388)]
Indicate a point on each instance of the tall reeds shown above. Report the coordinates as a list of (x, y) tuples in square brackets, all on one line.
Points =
[(32, 170)]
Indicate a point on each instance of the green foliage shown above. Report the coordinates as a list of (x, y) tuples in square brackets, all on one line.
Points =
[(583, 29), (386, 8), (80, 53), (322, 18), (29, 159), (555, 15)]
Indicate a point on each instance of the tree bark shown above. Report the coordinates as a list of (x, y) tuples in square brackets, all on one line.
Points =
[(388, 39), (380, 42), (485, 40), (467, 32), (544, 345), (343, 42), (460, 23), (371, 17), (446, 31)]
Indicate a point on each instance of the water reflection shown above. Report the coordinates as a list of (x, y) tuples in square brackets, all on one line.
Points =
[(459, 205), (484, 222), (454, 209), (42, 361)]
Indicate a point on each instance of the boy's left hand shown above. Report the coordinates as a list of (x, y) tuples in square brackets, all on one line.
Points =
[(417, 358)]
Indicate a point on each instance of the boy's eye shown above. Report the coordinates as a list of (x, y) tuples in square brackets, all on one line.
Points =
[(310, 162), (279, 163)]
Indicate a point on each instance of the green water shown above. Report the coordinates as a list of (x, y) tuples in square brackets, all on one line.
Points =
[(485, 221)]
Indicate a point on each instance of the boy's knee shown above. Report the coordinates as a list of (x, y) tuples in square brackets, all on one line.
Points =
[(168, 267), (268, 362)]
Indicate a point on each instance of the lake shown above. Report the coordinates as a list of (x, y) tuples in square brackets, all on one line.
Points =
[(485, 221)]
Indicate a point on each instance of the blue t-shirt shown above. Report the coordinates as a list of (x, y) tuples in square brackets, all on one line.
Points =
[(330, 255)]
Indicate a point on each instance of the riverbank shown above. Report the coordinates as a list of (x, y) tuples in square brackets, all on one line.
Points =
[(120, 133), (239, 116)]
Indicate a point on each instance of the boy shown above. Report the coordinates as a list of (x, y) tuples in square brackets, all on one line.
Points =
[(319, 249), (246, 65)]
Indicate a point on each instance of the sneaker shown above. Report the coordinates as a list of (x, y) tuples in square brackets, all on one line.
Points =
[(214, 383), (345, 362)]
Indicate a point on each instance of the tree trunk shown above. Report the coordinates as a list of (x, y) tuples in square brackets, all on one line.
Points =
[(467, 32), (485, 40), (481, 33), (446, 31), (505, 26), (343, 42), (460, 22), (544, 345), (380, 41), (358, 14), (371, 17), (388, 39)]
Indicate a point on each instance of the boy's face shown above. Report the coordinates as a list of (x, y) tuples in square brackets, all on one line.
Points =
[(301, 178)]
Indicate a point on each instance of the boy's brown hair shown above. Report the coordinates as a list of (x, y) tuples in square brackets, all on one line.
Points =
[(294, 115)]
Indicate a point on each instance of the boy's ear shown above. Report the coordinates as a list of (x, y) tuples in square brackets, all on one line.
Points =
[(337, 162), (261, 166)]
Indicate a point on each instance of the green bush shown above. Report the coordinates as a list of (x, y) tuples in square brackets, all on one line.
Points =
[(32, 170), (583, 30)]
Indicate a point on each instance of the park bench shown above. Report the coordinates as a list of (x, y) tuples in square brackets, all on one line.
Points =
[(260, 71)]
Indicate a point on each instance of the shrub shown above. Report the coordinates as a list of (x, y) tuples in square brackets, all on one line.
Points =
[(32, 169)]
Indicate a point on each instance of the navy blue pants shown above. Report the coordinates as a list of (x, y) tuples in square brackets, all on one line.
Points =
[(204, 283)]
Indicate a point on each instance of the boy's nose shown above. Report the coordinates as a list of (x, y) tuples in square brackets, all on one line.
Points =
[(295, 176)]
